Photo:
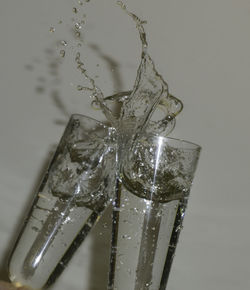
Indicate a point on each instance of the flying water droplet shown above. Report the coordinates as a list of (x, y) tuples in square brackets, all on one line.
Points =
[(77, 34), (62, 53), (52, 29), (120, 3), (78, 25), (80, 88), (64, 43)]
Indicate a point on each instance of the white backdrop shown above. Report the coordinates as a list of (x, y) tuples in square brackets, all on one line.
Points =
[(202, 48)]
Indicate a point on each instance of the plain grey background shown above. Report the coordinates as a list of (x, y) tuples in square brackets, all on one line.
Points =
[(202, 49)]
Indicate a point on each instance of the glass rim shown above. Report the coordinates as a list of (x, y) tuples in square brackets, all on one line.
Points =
[(192, 146)]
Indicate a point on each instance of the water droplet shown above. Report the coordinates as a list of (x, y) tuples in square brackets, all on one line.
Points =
[(78, 25), (52, 29), (64, 43), (80, 88), (77, 33), (120, 3), (62, 53)]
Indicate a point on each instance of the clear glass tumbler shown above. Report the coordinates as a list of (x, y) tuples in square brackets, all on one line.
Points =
[(74, 192), (156, 178)]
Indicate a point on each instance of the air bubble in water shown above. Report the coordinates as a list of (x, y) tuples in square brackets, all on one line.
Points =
[(67, 220), (126, 237), (35, 229), (105, 225)]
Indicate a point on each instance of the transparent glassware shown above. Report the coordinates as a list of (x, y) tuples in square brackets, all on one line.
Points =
[(74, 192), (157, 175)]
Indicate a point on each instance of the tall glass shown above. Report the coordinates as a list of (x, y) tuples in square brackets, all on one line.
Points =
[(156, 178), (74, 192)]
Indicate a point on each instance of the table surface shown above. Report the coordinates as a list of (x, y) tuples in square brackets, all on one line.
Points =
[(202, 50)]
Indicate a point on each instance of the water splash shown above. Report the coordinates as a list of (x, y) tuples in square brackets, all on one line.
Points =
[(150, 90)]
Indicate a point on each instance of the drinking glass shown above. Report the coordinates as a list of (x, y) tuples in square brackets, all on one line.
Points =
[(157, 174), (74, 192)]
